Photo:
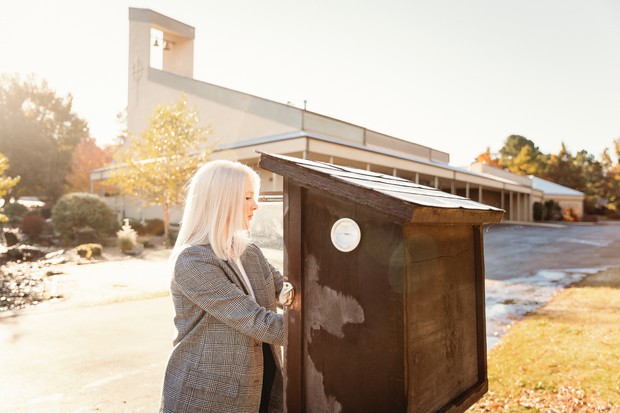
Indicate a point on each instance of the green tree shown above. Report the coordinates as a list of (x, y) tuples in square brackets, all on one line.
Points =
[(512, 147), (155, 166), (612, 180), (562, 169), (582, 172), (597, 179), (527, 162), (592, 178), (521, 156), (606, 161), (38, 131), (6, 183)]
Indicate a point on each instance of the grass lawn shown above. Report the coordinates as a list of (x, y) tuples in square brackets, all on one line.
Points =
[(564, 357)]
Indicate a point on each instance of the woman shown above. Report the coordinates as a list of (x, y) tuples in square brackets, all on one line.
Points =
[(226, 355)]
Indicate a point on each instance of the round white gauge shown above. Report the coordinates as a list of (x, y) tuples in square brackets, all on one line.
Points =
[(346, 234)]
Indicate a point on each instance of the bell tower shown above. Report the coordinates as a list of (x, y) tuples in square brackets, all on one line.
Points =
[(156, 42)]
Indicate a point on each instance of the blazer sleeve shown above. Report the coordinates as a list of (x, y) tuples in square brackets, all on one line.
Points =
[(200, 277), (278, 279)]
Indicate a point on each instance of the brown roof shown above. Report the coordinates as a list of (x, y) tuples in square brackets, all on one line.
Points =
[(396, 197)]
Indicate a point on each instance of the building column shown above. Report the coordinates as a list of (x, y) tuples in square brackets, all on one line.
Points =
[(436, 182), (480, 193), (466, 189), (510, 215), (518, 206), (452, 188), (501, 202), (417, 178), (528, 205)]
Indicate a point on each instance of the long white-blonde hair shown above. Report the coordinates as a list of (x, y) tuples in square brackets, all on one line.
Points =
[(213, 212)]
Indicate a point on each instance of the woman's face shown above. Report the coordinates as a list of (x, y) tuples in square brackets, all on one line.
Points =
[(249, 202)]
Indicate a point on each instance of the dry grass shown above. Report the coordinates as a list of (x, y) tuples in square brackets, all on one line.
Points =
[(564, 357)]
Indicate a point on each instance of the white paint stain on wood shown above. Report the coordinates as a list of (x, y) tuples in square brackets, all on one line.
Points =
[(327, 310)]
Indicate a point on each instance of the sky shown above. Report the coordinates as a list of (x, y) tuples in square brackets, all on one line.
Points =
[(458, 76)]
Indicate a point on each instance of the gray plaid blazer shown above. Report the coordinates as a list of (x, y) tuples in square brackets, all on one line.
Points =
[(217, 361)]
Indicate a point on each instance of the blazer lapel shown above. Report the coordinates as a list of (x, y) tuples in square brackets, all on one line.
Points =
[(238, 278)]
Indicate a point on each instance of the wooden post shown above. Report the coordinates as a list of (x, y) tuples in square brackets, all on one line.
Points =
[(293, 384)]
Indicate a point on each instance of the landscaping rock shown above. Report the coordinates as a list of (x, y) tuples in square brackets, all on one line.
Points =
[(20, 286), (10, 237), (24, 253)]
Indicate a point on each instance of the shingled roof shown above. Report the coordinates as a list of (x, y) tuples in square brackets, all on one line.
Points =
[(397, 197)]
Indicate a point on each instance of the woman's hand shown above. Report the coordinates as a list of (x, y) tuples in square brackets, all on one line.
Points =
[(287, 294)]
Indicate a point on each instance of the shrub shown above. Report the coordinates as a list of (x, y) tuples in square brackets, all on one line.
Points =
[(138, 226), (589, 218), (154, 226), (46, 212), (89, 250), (538, 211), (14, 211), (173, 233), (86, 235), (147, 243), (570, 215), (127, 237), (78, 210), (553, 211), (32, 224)]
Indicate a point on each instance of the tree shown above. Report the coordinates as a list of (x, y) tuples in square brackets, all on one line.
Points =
[(521, 156), (6, 183), (599, 180), (592, 178), (564, 170), (513, 145), (527, 162), (488, 158), (612, 181), (38, 131), (606, 161), (85, 157), (155, 166)]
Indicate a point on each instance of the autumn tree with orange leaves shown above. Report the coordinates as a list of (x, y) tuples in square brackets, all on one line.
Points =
[(489, 158), (86, 157)]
